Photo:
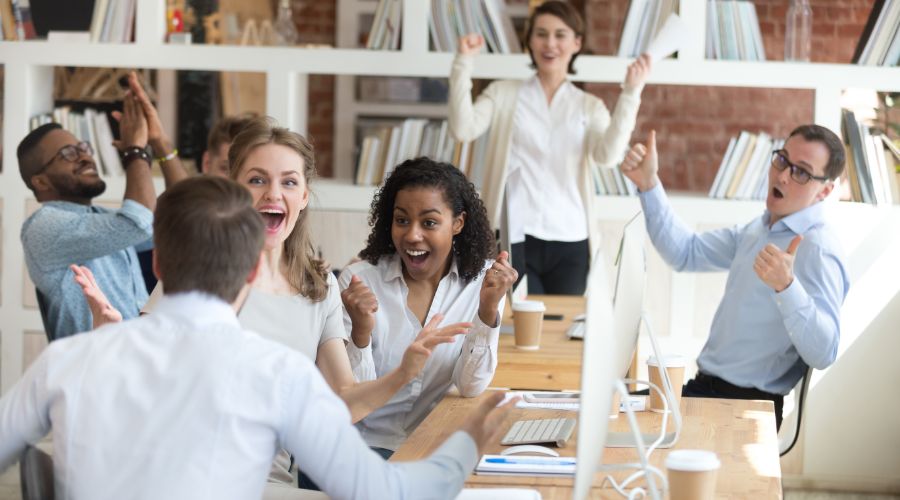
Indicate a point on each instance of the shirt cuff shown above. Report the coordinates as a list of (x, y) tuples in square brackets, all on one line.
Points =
[(633, 92), (483, 335), (791, 300), (461, 447)]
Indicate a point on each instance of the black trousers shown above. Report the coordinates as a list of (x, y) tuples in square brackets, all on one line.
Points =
[(552, 267), (710, 386)]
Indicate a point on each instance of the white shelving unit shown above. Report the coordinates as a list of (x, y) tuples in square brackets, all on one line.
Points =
[(28, 89)]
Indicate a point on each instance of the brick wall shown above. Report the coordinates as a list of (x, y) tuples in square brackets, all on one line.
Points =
[(694, 124), (316, 24)]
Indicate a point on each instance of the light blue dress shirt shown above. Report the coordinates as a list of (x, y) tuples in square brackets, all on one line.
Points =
[(760, 338), (61, 233)]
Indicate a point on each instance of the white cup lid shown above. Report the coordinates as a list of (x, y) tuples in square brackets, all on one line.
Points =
[(692, 460), (670, 361), (529, 306)]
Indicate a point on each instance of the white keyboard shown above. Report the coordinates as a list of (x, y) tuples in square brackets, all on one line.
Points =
[(548, 430)]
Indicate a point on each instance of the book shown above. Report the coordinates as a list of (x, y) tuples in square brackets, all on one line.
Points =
[(867, 31), (631, 27), (8, 20), (24, 24)]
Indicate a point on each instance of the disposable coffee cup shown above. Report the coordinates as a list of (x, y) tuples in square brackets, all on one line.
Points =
[(528, 319), (692, 474), (674, 366)]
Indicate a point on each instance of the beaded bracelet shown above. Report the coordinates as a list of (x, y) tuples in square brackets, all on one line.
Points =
[(169, 157), (132, 152)]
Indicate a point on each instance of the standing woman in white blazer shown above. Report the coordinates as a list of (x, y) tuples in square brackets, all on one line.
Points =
[(546, 137)]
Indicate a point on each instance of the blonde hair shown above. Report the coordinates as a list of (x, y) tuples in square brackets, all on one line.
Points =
[(305, 272)]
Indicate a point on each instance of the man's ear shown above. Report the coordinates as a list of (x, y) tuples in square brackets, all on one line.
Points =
[(41, 183), (251, 277), (825, 191), (204, 163)]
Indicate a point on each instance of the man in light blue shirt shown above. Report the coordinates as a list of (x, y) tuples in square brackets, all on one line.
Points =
[(787, 280), (69, 229)]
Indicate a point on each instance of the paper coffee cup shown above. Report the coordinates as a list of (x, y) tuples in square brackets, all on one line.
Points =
[(692, 474), (528, 319), (674, 365)]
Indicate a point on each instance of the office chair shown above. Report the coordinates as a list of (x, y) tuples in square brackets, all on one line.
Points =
[(36, 475), (790, 432)]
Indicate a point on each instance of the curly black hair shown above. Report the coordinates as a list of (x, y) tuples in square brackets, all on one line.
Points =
[(471, 246)]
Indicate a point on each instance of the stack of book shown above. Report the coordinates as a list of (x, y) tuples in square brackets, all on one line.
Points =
[(611, 182), (732, 31), (90, 126), (386, 145), (385, 32), (871, 163), (642, 23), (879, 44), (451, 19), (743, 173), (113, 21), (15, 20)]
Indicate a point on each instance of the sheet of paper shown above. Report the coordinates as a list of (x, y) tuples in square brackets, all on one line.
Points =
[(673, 36)]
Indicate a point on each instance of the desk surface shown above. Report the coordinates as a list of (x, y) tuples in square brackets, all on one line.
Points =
[(556, 365), (742, 433)]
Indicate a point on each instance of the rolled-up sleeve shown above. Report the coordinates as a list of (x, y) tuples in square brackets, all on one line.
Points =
[(477, 362)]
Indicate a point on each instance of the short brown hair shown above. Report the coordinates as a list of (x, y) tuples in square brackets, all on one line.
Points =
[(836, 153), (568, 15), (207, 237), (305, 272), (226, 129)]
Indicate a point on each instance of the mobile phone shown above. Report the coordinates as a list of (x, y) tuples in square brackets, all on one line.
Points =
[(553, 317), (550, 397)]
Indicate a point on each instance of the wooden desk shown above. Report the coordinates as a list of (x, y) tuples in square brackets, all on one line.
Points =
[(556, 366), (742, 433)]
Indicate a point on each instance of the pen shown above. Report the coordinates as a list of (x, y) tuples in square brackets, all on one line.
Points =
[(529, 461)]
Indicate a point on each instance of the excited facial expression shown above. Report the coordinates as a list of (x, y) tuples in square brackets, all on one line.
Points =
[(422, 231), (72, 180), (274, 175), (786, 195), (552, 44)]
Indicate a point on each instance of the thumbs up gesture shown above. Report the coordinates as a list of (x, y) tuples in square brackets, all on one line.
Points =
[(776, 268), (641, 164)]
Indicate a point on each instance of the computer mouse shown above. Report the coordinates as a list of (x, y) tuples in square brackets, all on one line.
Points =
[(530, 448)]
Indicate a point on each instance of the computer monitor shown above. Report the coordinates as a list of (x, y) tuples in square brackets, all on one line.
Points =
[(597, 378)]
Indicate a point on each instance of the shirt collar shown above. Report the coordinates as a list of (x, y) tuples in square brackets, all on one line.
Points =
[(68, 206), (197, 307), (563, 89), (800, 221), (394, 268)]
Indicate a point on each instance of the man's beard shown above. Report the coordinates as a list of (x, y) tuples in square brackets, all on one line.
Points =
[(71, 187)]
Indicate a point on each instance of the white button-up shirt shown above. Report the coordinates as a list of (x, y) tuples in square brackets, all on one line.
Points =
[(468, 362), (183, 403), (545, 164)]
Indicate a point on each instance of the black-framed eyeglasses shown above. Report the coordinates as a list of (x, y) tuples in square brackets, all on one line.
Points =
[(70, 153), (798, 173)]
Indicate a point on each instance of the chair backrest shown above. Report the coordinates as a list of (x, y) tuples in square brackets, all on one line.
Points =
[(790, 429), (44, 308), (36, 475)]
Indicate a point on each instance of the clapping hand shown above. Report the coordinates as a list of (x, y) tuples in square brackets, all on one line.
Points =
[(485, 423), (776, 268), (641, 164), (133, 127), (470, 44), (637, 72), (156, 136), (497, 280), (416, 355), (361, 305), (102, 311)]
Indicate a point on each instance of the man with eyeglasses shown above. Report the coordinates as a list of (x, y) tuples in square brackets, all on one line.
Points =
[(787, 279), (68, 229)]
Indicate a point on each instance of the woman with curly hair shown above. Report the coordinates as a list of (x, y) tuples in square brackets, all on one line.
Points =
[(428, 253)]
